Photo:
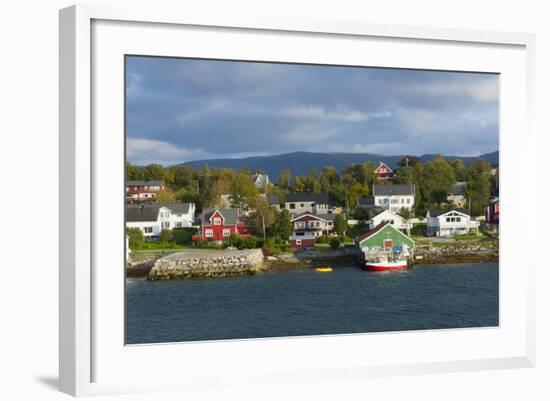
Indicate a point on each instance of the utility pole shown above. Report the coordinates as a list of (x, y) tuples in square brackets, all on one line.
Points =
[(263, 225)]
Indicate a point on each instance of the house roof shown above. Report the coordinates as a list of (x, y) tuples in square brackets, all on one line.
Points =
[(317, 197), (323, 216), (388, 212), (363, 237), (178, 208), (137, 183), (393, 189), (142, 213), (459, 188), (382, 164), (366, 201), (378, 228), (439, 212), (273, 200), (230, 215)]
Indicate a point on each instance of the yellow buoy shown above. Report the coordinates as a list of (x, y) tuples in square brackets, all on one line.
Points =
[(323, 269)]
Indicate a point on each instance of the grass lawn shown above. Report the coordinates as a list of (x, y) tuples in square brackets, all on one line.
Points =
[(159, 246)]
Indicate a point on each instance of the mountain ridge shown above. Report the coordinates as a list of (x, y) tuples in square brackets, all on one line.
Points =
[(300, 162)]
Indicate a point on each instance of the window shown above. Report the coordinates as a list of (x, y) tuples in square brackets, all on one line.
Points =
[(402, 200), (408, 200), (458, 219), (217, 221), (301, 205), (292, 206), (165, 224), (178, 223), (298, 242), (148, 230), (226, 232), (208, 233), (317, 224)]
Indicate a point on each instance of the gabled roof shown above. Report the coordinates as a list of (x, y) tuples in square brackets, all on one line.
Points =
[(273, 200), (369, 234), (389, 212), (178, 208), (317, 197), (326, 217), (137, 183), (393, 189), (230, 215), (379, 228), (382, 164), (438, 212), (142, 213)]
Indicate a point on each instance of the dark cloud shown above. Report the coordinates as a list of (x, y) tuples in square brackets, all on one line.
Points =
[(184, 109)]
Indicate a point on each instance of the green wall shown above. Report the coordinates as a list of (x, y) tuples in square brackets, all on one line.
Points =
[(377, 240)]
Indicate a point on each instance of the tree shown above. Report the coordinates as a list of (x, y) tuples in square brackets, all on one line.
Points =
[(135, 237), (263, 215), (134, 172), (166, 196), (437, 178), (328, 178), (478, 186), (283, 181), (282, 226), (340, 225), (154, 172), (242, 189), (165, 235), (406, 175), (409, 160)]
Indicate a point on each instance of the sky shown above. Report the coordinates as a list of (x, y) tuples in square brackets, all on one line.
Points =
[(180, 110)]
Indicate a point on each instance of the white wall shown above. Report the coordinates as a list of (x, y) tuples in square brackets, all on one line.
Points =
[(29, 146)]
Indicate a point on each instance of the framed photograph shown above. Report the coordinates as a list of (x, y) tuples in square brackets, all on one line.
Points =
[(272, 199)]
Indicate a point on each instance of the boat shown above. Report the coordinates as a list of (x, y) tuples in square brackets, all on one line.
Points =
[(323, 269), (386, 265)]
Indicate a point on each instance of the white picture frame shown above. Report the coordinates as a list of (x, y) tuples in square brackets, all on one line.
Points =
[(94, 360)]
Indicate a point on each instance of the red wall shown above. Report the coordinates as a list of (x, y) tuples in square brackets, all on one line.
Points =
[(305, 243), (217, 230)]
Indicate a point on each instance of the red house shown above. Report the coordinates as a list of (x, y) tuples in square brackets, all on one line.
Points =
[(492, 212), (383, 172), (218, 224), (307, 227), (143, 191)]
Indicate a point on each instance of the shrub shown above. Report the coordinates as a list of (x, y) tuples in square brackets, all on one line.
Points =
[(165, 235), (135, 237), (183, 236), (335, 243), (323, 239), (419, 229), (249, 242), (199, 242), (235, 240)]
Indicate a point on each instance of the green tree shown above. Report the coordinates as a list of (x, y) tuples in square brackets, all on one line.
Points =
[(328, 178), (282, 226), (437, 178), (478, 186), (166, 196), (135, 237), (154, 172), (340, 225), (165, 235), (242, 189), (283, 181), (409, 161), (334, 243)]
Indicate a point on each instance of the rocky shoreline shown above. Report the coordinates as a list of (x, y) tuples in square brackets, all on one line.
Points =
[(199, 263)]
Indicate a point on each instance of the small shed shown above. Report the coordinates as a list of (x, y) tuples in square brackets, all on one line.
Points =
[(383, 235)]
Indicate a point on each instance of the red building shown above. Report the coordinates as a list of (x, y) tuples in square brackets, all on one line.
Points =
[(307, 227), (218, 224), (143, 191), (492, 212), (383, 172)]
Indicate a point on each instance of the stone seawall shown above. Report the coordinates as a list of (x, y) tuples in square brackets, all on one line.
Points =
[(466, 253), (207, 263)]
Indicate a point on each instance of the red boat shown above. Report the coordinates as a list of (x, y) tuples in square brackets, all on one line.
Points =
[(386, 265)]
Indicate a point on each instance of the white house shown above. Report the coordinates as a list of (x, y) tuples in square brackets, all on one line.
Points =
[(153, 218), (445, 223), (307, 202), (394, 197), (260, 180), (395, 220)]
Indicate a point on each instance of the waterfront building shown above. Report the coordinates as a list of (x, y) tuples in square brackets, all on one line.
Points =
[(143, 191), (307, 202), (384, 235), (307, 227), (492, 211), (217, 224), (446, 223), (394, 197), (153, 218)]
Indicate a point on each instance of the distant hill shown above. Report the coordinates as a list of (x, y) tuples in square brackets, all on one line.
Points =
[(300, 163)]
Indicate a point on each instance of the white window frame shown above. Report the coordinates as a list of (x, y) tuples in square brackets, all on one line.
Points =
[(226, 232), (208, 233)]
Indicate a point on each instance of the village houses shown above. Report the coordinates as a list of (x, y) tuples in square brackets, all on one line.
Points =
[(457, 195), (394, 197), (393, 219), (143, 191), (153, 218), (446, 223), (261, 181), (492, 212)]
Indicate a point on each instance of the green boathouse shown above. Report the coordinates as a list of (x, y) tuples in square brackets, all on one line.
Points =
[(383, 235)]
